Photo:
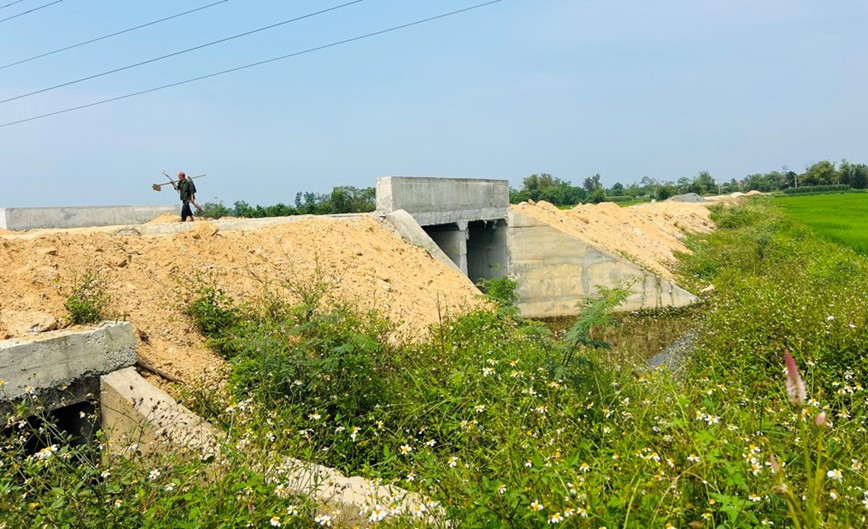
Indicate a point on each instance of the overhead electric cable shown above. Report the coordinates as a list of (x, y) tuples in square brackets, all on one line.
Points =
[(251, 65), (10, 4), (30, 11), (175, 54), (115, 34)]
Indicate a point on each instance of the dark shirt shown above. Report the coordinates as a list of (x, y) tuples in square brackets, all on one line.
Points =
[(187, 189)]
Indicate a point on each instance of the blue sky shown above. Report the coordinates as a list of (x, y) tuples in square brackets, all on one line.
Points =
[(570, 87)]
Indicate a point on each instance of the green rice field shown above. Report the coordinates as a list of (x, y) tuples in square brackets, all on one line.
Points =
[(842, 218)]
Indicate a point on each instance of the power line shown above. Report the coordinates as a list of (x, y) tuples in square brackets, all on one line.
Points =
[(91, 41), (30, 11), (10, 4), (174, 54), (251, 65)]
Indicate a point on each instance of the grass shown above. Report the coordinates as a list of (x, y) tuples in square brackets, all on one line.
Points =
[(504, 424), (842, 218)]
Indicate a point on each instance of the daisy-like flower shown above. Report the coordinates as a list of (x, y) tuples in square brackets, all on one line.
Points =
[(693, 458), (106, 473), (569, 511), (556, 518), (452, 462), (584, 467), (118, 502), (430, 443), (479, 408), (324, 520), (835, 474), (537, 506), (275, 521), (378, 513), (406, 449), (314, 416), (154, 474), (857, 465), (170, 487), (487, 371), (292, 510), (754, 498)]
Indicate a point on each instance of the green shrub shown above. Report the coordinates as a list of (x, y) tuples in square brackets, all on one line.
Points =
[(88, 297)]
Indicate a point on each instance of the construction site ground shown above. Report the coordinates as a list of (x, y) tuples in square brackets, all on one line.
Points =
[(151, 278)]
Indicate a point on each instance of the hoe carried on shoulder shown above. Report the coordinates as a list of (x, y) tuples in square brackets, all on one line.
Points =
[(173, 183)]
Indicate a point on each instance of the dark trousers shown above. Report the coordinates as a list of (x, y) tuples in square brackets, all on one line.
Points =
[(186, 211)]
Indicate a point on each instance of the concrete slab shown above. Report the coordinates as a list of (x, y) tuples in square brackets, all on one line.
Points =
[(21, 219), (433, 201)]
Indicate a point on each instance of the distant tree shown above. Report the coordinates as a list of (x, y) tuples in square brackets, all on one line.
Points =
[(820, 174), (592, 183), (703, 183), (859, 176), (544, 186), (348, 199), (617, 189)]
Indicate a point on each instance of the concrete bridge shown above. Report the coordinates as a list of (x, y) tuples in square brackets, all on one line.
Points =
[(471, 222), (466, 223)]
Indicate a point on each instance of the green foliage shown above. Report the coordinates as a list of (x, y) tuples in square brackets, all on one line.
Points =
[(501, 290), (546, 187), (213, 311), (596, 313), (342, 199), (88, 297), (842, 218), (817, 189)]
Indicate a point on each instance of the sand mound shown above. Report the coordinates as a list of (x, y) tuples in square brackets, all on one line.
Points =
[(647, 234), (165, 218), (361, 259), (754, 192)]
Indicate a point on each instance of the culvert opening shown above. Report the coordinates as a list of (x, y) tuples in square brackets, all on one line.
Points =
[(75, 425), (480, 250)]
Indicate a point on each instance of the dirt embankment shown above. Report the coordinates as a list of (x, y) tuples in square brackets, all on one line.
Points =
[(647, 234), (149, 276)]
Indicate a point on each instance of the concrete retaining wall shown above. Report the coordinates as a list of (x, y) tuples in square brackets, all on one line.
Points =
[(434, 201), (21, 219), (556, 271)]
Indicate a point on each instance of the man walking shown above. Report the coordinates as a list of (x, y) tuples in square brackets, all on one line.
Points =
[(187, 190)]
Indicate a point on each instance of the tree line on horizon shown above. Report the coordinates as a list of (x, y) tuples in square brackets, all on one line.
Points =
[(544, 186), (559, 192)]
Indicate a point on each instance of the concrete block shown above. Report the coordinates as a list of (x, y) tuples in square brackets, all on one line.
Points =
[(60, 358)]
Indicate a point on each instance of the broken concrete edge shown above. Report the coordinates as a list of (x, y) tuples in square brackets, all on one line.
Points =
[(139, 417), (410, 231), (33, 366)]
